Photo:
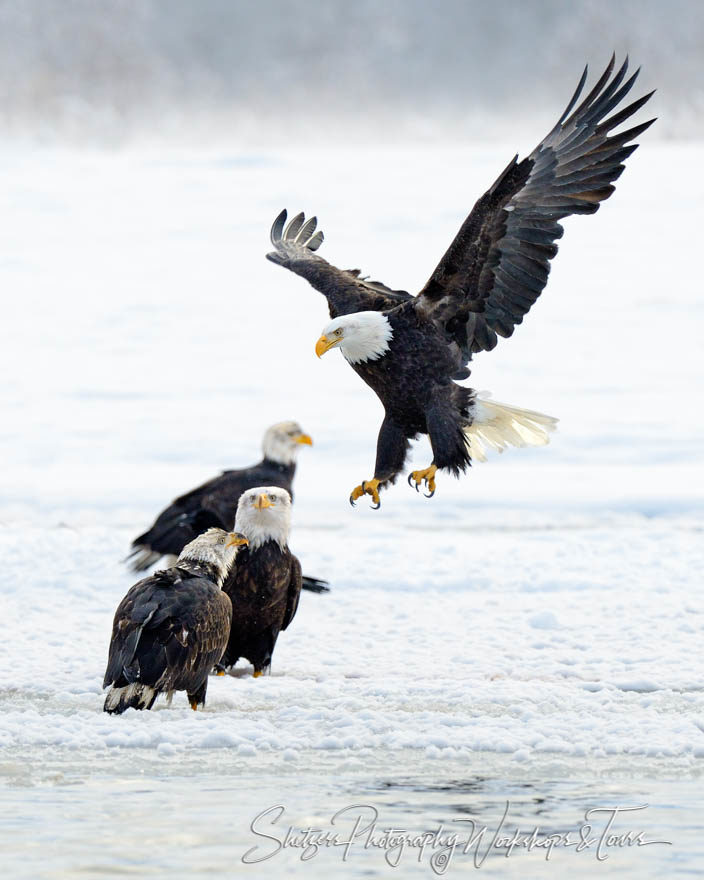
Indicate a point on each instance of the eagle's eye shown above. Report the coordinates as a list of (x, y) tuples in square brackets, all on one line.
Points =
[(338, 332), (273, 498)]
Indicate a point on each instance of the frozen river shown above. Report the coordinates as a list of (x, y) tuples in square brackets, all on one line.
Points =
[(531, 635), (211, 816)]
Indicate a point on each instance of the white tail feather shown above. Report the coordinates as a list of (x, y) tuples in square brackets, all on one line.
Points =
[(136, 696), (499, 425)]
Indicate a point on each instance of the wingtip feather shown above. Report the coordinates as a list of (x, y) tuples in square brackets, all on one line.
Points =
[(277, 227)]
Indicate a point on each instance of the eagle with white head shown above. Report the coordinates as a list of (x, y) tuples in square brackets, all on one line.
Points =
[(265, 585), (411, 350)]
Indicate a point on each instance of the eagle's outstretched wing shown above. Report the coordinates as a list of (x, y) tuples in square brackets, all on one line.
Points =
[(345, 290), (498, 264)]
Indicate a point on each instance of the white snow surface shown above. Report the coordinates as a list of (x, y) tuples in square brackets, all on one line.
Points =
[(547, 604)]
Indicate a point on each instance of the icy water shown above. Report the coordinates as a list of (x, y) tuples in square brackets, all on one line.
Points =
[(136, 819)]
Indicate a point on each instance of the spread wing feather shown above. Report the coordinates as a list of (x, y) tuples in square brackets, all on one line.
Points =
[(498, 264), (345, 289)]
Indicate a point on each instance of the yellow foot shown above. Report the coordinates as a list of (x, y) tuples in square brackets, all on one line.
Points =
[(368, 487), (257, 673), (219, 671), (194, 705), (428, 475)]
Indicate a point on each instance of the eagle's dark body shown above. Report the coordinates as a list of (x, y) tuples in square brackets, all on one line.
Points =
[(264, 587), (168, 632), (491, 275), (413, 382), (211, 505)]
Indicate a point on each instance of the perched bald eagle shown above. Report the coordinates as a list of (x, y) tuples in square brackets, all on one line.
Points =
[(172, 627), (214, 503), (265, 583), (410, 349)]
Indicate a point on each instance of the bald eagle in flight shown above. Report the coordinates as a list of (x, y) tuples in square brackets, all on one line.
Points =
[(172, 627), (214, 503), (410, 350), (265, 584)]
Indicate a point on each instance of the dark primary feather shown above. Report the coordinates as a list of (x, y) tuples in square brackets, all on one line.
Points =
[(345, 289), (498, 264)]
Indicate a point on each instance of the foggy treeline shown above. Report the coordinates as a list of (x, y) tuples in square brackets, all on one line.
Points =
[(112, 70)]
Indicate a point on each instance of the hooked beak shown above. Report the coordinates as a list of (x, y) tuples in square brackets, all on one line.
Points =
[(305, 439), (236, 539), (262, 502), (324, 344)]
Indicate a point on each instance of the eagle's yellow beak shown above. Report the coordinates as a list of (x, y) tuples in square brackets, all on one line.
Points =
[(304, 438), (236, 539), (324, 344), (262, 502)]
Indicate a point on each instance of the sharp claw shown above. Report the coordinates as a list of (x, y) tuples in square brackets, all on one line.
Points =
[(410, 477), (376, 506), (431, 494), (352, 501)]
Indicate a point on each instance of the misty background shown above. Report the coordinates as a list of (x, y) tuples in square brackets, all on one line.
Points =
[(115, 72)]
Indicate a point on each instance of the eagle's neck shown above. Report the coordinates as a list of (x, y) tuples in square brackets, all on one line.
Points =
[(280, 451), (261, 526), (368, 339), (287, 469), (205, 568)]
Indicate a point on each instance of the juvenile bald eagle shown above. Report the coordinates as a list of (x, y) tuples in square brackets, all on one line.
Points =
[(214, 503), (172, 627), (410, 349), (265, 583)]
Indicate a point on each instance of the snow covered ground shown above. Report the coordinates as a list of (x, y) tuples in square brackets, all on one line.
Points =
[(532, 633)]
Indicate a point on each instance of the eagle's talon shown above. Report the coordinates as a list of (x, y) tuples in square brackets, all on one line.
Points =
[(367, 487), (427, 476)]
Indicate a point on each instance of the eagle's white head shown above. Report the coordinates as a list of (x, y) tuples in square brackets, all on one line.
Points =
[(215, 547), (264, 514), (361, 336), (283, 440)]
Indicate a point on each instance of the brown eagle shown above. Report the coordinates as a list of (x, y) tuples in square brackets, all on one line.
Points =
[(172, 627), (410, 350), (265, 583)]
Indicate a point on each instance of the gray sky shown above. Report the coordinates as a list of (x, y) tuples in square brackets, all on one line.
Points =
[(111, 71)]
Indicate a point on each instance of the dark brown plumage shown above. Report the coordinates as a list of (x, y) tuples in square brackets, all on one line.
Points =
[(265, 584), (172, 627), (490, 276)]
